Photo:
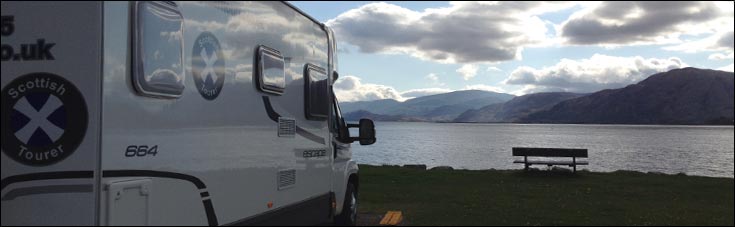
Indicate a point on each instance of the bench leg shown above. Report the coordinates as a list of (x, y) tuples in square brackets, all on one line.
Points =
[(574, 164), (525, 160)]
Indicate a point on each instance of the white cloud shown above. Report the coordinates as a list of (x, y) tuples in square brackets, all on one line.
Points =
[(493, 69), (350, 89), (468, 71), (728, 68), (630, 23), (415, 93), (719, 56), (721, 42), (465, 32), (484, 87), (589, 75), (434, 79)]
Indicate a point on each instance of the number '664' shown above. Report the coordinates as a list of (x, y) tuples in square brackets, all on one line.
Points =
[(141, 151)]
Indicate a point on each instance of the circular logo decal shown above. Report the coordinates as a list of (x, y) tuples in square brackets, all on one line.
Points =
[(44, 119), (208, 66)]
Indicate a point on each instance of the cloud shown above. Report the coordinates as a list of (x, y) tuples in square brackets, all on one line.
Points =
[(722, 42), (465, 32), (484, 87), (589, 75), (434, 79), (468, 71), (728, 68), (726, 40), (659, 22), (719, 56), (350, 89), (342, 50), (493, 69), (415, 93)]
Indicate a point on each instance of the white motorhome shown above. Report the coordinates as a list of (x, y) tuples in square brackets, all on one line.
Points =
[(172, 113)]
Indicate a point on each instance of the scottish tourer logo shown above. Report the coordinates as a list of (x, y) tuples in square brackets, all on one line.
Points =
[(38, 119), (208, 66), (44, 119)]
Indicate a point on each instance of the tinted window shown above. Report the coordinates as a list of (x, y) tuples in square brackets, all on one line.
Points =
[(158, 69), (271, 73), (339, 124), (316, 92)]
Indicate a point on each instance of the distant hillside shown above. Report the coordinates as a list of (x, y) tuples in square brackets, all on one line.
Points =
[(680, 96), (360, 114), (517, 108), (378, 106), (441, 107)]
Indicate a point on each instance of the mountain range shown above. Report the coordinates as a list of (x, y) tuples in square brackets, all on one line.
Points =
[(680, 96), (441, 107), (516, 109)]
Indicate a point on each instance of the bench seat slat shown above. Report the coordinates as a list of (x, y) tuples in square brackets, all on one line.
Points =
[(549, 152), (552, 162)]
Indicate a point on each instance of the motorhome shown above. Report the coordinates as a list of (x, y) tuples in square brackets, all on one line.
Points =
[(173, 113)]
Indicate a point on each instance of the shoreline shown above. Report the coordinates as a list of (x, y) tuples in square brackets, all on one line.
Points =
[(575, 124), (563, 169)]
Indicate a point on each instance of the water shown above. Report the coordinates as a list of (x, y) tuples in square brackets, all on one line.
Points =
[(693, 150)]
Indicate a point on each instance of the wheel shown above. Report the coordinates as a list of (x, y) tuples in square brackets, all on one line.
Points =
[(348, 217)]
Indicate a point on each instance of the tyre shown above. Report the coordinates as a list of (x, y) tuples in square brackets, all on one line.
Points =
[(348, 217)]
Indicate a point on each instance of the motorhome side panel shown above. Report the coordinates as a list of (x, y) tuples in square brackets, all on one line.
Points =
[(51, 66), (213, 153)]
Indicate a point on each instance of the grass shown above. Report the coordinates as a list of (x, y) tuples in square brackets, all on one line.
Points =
[(509, 197)]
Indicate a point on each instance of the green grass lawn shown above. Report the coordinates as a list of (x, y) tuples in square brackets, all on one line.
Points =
[(492, 197)]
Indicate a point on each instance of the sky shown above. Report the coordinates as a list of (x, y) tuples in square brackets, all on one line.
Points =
[(403, 50)]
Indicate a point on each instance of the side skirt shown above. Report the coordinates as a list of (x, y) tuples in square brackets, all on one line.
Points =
[(317, 210)]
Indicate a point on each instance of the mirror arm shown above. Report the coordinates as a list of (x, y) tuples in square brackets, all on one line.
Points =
[(353, 125)]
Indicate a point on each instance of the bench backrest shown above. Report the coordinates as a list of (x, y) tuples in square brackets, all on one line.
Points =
[(549, 152)]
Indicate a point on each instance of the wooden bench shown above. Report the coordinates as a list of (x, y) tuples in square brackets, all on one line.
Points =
[(550, 152)]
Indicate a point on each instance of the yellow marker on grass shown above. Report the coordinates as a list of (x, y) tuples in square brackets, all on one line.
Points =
[(392, 218)]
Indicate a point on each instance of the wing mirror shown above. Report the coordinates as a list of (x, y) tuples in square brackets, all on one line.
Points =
[(367, 132)]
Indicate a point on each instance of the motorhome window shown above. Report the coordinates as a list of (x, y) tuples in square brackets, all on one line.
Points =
[(336, 117), (339, 123), (316, 90), (271, 72), (158, 50)]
